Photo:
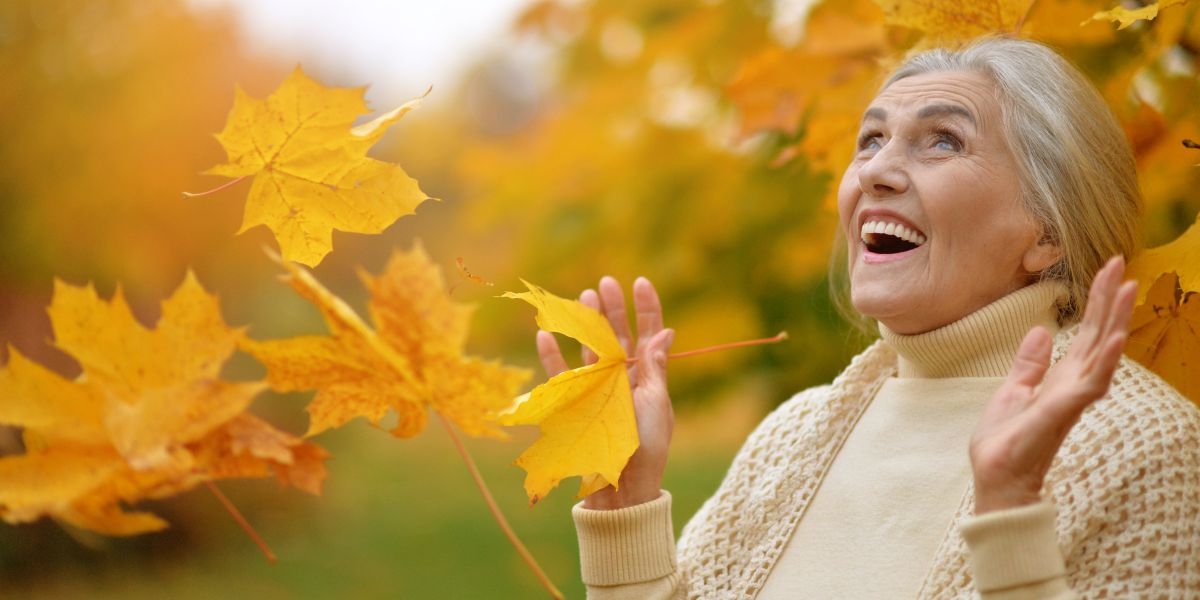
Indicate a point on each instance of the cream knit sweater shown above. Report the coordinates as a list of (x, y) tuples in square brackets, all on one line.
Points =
[(1126, 486)]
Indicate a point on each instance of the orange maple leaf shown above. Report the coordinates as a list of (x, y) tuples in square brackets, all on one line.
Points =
[(1125, 17), (149, 417), (411, 361), (1164, 334), (311, 171), (949, 20), (586, 414), (1181, 255)]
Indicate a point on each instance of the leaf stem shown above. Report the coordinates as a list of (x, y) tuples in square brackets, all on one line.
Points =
[(237, 516), (229, 183), (779, 337), (496, 512), (1021, 22)]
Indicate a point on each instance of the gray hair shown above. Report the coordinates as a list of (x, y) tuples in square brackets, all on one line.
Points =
[(1077, 174)]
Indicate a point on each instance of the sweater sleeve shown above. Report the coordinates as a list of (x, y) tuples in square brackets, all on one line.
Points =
[(1127, 491), (1015, 554), (628, 553)]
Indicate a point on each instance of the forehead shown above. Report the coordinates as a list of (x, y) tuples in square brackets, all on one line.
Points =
[(973, 92)]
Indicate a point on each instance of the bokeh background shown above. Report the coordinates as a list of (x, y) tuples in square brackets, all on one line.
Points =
[(565, 140)]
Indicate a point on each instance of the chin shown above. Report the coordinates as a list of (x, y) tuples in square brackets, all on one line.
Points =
[(874, 306), (889, 309)]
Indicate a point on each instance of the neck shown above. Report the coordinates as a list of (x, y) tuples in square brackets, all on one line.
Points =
[(983, 343)]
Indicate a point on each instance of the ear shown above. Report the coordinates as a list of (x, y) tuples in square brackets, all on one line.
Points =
[(1041, 255)]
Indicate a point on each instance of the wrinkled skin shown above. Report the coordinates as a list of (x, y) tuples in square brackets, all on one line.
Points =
[(931, 156)]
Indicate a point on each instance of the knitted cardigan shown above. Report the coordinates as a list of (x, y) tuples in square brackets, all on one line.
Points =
[(1126, 484)]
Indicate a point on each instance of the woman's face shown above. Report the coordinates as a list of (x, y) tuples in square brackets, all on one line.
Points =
[(931, 205)]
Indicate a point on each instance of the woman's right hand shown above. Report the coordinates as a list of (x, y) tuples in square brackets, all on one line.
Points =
[(641, 481)]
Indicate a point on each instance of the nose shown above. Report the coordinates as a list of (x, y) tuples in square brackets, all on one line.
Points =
[(884, 174)]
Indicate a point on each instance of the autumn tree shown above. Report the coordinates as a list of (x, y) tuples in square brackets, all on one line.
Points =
[(695, 144), (700, 144)]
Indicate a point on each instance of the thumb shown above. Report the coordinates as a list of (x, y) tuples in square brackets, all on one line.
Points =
[(653, 367), (1032, 359)]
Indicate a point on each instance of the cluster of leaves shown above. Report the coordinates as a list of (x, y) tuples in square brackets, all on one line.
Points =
[(747, 115), (151, 415), (1150, 81)]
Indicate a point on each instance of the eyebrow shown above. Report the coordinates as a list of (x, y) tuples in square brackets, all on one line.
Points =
[(943, 110), (932, 110)]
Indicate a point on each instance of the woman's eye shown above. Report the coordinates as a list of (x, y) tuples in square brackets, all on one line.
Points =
[(948, 142), (870, 141)]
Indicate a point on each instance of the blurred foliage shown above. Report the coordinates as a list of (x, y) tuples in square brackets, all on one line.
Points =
[(108, 109), (697, 143), (693, 142)]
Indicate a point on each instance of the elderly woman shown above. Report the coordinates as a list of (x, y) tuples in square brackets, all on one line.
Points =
[(993, 441)]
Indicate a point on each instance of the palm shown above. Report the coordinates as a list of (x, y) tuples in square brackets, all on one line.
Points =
[(1030, 415), (641, 480)]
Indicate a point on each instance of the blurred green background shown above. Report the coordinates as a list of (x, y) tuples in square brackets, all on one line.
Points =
[(584, 139)]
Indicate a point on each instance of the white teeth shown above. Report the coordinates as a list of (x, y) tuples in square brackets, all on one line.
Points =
[(893, 229)]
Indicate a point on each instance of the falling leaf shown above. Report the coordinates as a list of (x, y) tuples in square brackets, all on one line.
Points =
[(311, 172), (464, 273), (150, 416), (1164, 335), (585, 414), (412, 360), (955, 19), (1128, 16)]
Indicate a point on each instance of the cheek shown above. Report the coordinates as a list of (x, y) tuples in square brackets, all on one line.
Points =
[(847, 198)]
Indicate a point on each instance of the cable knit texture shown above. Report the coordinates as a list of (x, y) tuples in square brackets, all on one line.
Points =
[(1126, 484), (1121, 515)]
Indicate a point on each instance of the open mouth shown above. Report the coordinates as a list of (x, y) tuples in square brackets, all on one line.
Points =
[(881, 237)]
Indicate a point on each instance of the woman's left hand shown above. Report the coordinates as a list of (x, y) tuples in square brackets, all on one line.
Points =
[(1030, 415)]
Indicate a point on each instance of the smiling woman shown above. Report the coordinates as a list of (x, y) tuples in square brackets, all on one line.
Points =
[(932, 159), (987, 442)]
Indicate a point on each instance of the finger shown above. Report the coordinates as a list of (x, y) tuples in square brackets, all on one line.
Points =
[(649, 310), (1065, 407), (1032, 359), (590, 299), (1122, 308), (652, 357), (551, 355), (1101, 369), (1090, 387), (1112, 283), (1110, 358), (612, 303), (1095, 314)]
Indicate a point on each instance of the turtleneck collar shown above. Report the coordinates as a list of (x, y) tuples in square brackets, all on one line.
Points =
[(983, 343)]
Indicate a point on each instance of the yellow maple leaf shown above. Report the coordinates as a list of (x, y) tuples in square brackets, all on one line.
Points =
[(410, 362), (585, 415), (948, 20), (311, 171), (1181, 255), (776, 88), (1164, 335), (1125, 17), (149, 417)]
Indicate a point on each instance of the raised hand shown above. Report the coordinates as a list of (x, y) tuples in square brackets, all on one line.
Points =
[(1030, 415), (641, 481)]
